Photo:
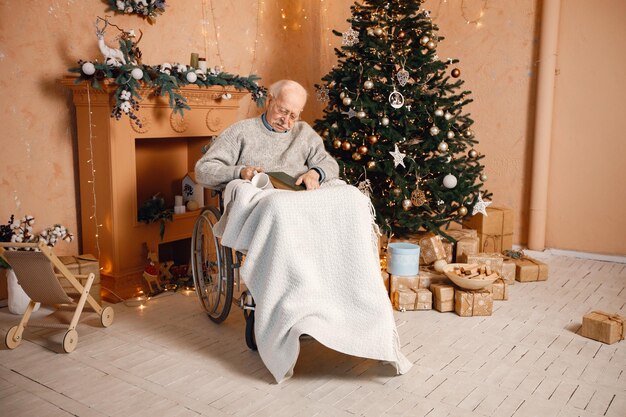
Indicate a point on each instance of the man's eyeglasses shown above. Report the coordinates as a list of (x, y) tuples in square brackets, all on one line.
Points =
[(286, 113)]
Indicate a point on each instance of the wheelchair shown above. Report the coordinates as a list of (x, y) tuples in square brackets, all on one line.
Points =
[(215, 270)]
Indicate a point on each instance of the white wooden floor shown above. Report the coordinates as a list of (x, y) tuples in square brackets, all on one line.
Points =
[(168, 359)]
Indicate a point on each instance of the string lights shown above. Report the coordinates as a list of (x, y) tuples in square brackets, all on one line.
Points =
[(475, 21), (91, 163)]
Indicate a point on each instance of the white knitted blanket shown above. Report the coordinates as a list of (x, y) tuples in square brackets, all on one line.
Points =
[(312, 269)]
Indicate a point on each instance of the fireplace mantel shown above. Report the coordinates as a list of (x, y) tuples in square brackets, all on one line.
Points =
[(122, 164)]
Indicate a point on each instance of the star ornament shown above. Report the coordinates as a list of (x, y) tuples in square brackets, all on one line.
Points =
[(398, 157), (480, 206)]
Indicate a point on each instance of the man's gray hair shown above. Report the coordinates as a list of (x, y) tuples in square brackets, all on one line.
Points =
[(279, 86)]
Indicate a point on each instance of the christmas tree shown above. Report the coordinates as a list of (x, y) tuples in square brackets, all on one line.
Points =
[(394, 120)]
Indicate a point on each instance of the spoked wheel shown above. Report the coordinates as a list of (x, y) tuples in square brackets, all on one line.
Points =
[(211, 265)]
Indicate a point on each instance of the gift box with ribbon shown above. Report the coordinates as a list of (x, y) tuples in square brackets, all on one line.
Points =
[(499, 289), (412, 299), (443, 297), (603, 327), (495, 231), (432, 249), (473, 303), (467, 243)]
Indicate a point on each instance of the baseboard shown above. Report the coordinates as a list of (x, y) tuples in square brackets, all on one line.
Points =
[(574, 254)]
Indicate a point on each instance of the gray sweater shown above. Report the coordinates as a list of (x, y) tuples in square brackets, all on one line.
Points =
[(250, 143)]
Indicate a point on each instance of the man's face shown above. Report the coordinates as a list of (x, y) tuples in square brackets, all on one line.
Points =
[(284, 111)]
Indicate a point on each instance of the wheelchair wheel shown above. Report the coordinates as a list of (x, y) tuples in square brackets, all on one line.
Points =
[(211, 265), (250, 339)]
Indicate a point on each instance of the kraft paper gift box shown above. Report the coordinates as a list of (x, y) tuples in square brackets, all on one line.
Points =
[(443, 297), (431, 249), (493, 260), (405, 300), (495, 230), (449, 248), (528, 270), (397, 283), (424, 299), (473, 303), (499, 289), (603, 327), (82, 265), (428, 276), (508, 270), (467, 243)]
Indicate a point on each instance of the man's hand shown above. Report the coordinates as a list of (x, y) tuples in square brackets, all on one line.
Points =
[(311, 179), (248, 172)]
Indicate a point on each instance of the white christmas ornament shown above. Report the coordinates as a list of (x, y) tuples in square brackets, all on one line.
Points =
[(439, 265), (403, 77), (434, 131), (191, 77), (438, 112), (480, 206), (384, 121), (396, 99), (350, 37), (88, 68), (137, 73), (449, 181), (398, 157)]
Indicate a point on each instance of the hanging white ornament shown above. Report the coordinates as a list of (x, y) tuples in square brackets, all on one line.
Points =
[(448, 116), (191, 77), (322, 94), (384, 121), (434, 131), (350, 37), (449, 181), (398, 157), (365, 187), (403, 77), (88, 68), (443, 146), (480, 206), (137, 73), (396, 99), (450, 134), (438, 112)]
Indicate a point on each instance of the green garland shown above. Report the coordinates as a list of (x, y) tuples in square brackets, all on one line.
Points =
[(160, 79), (148, 9)]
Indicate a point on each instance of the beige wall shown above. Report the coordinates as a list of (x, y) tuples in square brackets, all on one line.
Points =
[(40, 39)]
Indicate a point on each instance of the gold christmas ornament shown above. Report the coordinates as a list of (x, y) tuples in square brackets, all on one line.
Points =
[(362, 149), (325, 133), (418, 197), (336, 144), (424, 40), (396, 191), (356, 156), (360, 114), (347, 101), (431, 45), (368, 85), (372, 139), (378, 31), (443, 146), (345, 145), (468, 133), (371, 165), (483, 177), (456, 73), (406, 205), (472, 153), (450, 134), (342, 94), (401, 35), (462, 211)]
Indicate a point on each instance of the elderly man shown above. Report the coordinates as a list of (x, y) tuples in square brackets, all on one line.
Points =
[(275, 141)]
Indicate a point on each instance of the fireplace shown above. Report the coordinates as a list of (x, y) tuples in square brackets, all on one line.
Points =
[(131, 164)]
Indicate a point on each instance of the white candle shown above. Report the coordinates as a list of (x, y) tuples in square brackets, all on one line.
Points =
[(178, 200)]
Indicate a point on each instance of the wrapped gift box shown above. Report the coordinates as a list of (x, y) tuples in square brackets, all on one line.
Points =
[(508, 270), (603, 327), (424, 299), (397, 283), (499, 289), (495, 230), (493, 260), (467, 243), (431, 249), (449, 248), (473, 303), (443, 297), (82, 265), (528, 269), (405, 300), (428, 276)]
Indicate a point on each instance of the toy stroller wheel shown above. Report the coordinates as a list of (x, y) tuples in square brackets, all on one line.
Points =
[(12, 340), (106, 317), (70, 340), (250, 339), (211, 265)]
